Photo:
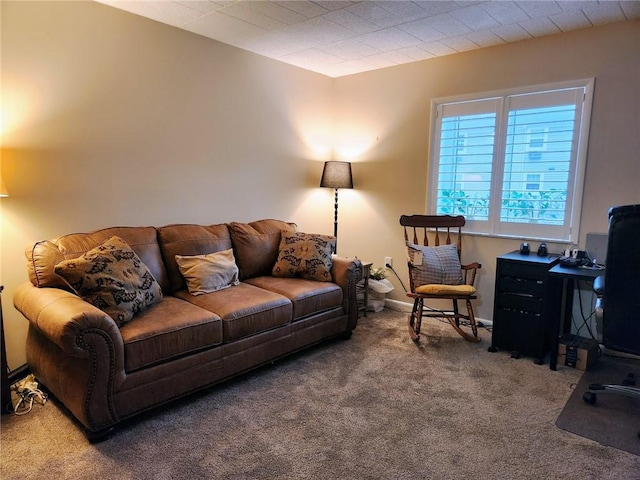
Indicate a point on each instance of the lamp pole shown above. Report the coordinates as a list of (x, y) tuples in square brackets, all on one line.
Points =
[(335, 222), (336, 175)]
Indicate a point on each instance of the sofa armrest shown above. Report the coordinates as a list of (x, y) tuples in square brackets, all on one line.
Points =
[(64, 318), (67, 334), (347, 272)]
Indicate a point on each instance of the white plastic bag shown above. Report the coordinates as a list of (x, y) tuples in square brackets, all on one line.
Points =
[(378, 290), (380, 286)]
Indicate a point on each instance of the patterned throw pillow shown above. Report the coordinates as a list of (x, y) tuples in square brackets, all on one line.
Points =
[(208, 273), (305, 255), (434, 265), (112, 277)]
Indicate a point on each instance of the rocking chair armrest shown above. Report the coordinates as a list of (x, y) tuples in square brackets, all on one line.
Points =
[(472, 266), (469, 273)]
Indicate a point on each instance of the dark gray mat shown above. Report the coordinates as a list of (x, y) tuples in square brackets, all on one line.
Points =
[(615, 419)]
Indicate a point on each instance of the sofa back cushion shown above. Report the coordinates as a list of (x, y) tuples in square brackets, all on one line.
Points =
[(43, 256), (188, 240), (256, 245)]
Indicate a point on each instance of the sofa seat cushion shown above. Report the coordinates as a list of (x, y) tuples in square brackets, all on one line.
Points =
[(308, 296), (245, 309), (167, 330)]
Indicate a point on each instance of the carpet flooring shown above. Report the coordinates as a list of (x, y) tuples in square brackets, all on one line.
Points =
[(614, 420), (372, 407)]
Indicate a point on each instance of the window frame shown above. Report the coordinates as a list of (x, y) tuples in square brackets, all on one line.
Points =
[(575, 185)]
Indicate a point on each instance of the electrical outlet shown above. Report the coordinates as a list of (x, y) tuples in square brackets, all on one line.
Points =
[(388, 261)]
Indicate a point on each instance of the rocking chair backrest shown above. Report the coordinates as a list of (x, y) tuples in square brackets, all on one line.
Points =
[(441, 226)]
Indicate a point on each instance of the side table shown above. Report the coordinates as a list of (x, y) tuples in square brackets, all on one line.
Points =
[(366, 271)]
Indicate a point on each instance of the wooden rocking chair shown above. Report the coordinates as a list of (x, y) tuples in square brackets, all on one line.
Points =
[(440, 228)]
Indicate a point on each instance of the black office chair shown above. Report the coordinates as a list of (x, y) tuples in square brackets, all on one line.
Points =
[(618, 295)]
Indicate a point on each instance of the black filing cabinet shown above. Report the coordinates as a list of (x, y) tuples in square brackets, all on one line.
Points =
[(527, 302)]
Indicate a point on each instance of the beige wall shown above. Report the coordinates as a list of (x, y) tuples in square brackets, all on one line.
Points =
[(111, 119), (393, 105)]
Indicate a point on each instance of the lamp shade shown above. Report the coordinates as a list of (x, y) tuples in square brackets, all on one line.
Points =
[(337, 175)]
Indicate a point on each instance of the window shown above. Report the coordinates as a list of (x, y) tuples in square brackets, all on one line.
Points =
[(513, 163)]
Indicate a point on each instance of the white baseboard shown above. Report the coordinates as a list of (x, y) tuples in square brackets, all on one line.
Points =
[(399, 306)]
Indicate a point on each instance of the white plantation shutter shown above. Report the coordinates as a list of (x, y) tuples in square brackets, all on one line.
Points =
[(513, 164), (466, 149)]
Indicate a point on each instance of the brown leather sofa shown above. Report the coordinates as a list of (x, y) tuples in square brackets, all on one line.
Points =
[(105, 373)]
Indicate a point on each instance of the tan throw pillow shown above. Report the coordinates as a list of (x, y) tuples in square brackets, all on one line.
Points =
[(112, 277), (434, 265), (305, 255), (208, 273)]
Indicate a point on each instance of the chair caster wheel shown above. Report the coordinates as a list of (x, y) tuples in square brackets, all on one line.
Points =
[(515, 354), (589, 397), (492, 349), (539, 361)]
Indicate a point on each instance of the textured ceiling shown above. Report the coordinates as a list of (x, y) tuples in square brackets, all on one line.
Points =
[(338, 38)]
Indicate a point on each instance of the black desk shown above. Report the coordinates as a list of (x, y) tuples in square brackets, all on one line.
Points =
[(569, 276)]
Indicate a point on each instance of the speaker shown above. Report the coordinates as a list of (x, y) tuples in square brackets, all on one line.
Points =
[(542, 250)]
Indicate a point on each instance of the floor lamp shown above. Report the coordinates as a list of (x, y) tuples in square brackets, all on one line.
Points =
[(336, 175)]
